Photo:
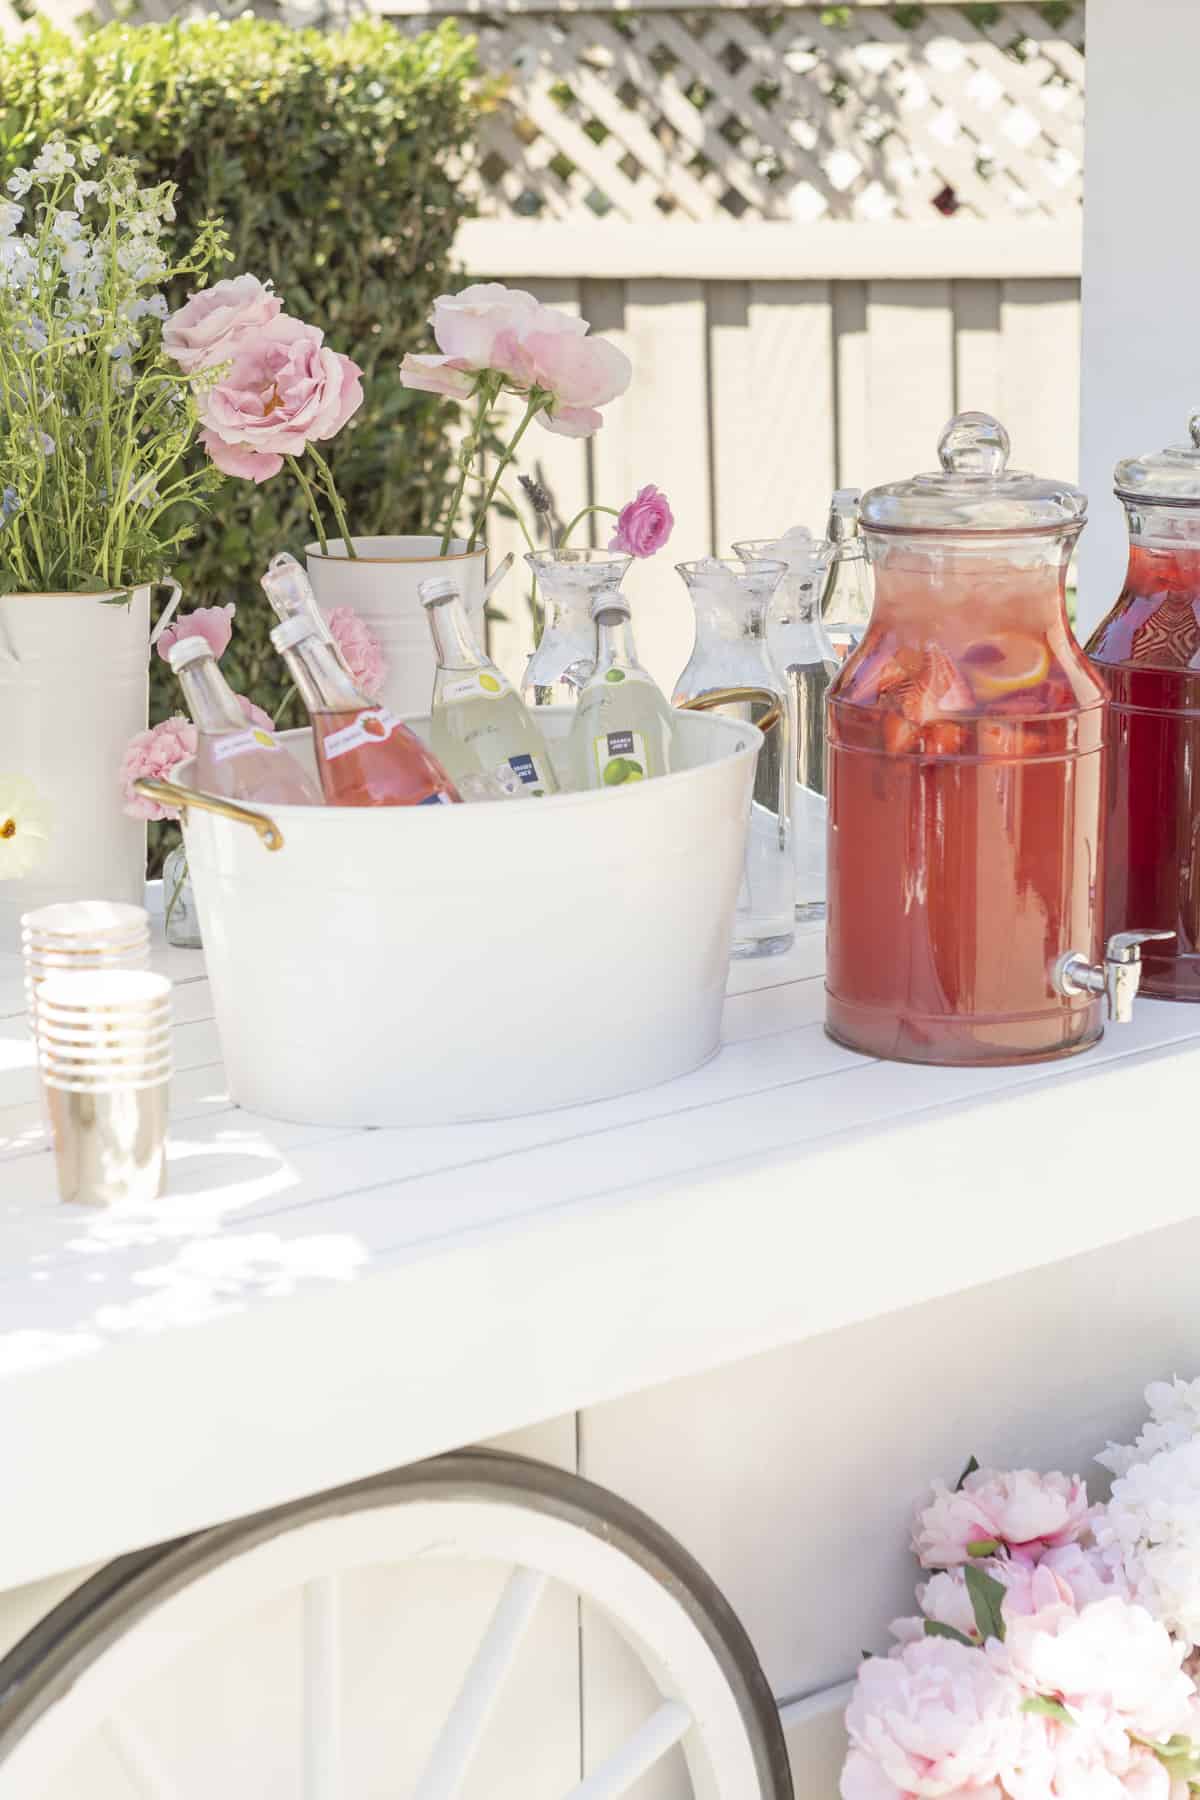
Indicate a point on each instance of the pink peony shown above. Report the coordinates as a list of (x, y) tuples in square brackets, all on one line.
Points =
[(1058, 1761), (1026, 1512), (209, 327), (944, 1597), (360, 647), (644, 525), (255, 714), (1089, 1572), (936, 1718), (157, 752), (213, 623), (284, 390), (1109, 1664)]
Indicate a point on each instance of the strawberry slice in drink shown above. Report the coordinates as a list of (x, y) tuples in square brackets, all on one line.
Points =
[(937, 688)]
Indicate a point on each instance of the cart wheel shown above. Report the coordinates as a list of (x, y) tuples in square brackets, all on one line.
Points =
[(98, 1693)]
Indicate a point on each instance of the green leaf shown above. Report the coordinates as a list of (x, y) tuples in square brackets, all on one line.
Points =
[(935, 1628), (1050, 1709), (971, 1469), (987, 1599), (983, 1547)]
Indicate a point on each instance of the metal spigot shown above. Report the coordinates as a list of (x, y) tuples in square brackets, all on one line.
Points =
[(1118, 977)]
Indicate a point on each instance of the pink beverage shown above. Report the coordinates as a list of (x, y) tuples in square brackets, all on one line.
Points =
[(366, 756), (234, 758)]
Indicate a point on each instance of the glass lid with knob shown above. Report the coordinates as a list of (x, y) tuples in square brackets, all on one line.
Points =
[(1170, 477), (974, 490)]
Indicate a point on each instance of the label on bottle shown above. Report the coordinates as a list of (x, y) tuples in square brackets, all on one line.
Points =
[(521, 772), (374, 725), (480, 685), (235, 743), (614, 676), (438, 799), (620, 757)]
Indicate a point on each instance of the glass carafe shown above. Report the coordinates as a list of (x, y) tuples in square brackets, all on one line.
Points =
[(966, 769), (802, 652), (1148, 649), (846, 596), (731, 602), (569, 581)]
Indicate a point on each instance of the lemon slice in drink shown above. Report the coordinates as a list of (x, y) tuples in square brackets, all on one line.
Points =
[(1006, 662)]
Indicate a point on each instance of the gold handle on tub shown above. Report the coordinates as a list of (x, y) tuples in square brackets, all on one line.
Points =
[(169, 793), (738, 696)]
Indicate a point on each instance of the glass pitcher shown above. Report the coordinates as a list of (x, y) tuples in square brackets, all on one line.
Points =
[(966, 775), (731, 600), (1148, 649), (803, 654), (569, 581)]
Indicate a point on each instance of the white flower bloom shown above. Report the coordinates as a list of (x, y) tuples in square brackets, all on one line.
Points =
[(89, 155), (19, 183), (53, 159), (67, 226), (1174, 1419), (24, 827), (83, 193), (10, 217), (1153, 1523), (75, 258), (36, 335)]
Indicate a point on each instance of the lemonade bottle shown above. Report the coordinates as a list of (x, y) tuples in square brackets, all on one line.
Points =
[(480, 729), (622, 727), (234, 758)]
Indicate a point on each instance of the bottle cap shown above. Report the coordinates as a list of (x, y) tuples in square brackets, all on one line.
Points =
[(293, 631), (190, 649), (437, 587), (974, 490), (610, 602)]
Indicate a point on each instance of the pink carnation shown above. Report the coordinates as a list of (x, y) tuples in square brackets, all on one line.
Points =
[(1020, 1509), (157, 752), (361, 649), (935, 1720), (209, 327), (213, 623), (255, 714), (283, 391), (644, 525)]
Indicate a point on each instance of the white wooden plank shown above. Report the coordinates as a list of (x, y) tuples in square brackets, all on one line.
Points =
[(1040, 329), (910, 394), (978, 348), (734, 415), (851, 383), (791, 338)]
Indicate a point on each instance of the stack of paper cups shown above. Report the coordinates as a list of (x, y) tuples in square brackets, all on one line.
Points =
[(81, 935), (104, 1051)]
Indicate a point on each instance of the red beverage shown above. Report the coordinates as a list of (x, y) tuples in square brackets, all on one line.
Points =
[(1149, 651), (369, 758), (966, 771)]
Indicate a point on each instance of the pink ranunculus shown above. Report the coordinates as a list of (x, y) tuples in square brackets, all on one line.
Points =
[(938, 1719), (213, 623), (157, 752), (1026, 1512), (1111, 1661), (583, 373), (466, 325), (284, 390), (255, 714), (644, 525), (208, 328), (361, 649), (443, 375)]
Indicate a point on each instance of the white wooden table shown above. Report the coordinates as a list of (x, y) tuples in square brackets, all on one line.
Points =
[(308, 1306)]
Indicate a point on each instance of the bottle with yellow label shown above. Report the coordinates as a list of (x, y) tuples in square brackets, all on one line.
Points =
[(235, 757), (480, 730), (622, 728)]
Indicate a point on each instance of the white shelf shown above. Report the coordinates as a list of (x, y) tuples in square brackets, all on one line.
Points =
[(309, 1306)]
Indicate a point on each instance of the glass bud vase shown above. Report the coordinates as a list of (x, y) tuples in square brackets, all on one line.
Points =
[(179, 902), (731, 602), (803, 654), (568, 581)]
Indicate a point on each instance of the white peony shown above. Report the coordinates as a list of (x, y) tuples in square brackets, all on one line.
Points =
[(1112, 1665), (1152, 1522), (1174, 1420)]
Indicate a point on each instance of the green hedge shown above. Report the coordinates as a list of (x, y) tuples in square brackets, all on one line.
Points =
[(334, 160)]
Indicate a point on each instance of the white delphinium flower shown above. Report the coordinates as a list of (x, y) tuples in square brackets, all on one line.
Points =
[(53, 159), (89, 154), (67, 226), (1174, 1420), (1153, 1522), (19, 183), (84, 190), (10, 217)]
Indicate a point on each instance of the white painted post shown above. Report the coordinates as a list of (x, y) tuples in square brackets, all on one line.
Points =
[(1141, 259)]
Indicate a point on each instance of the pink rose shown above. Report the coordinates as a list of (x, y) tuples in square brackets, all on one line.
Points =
[(361, 649), (213, 623), (936, 1718), (467, 325), (582, 373), (1026, 1512), (284, 390), (255, 714), (644, 525), (156, 752), (209, 327), (443, 375)]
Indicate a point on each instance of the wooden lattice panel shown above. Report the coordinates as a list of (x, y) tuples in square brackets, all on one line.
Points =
[(804, 113)]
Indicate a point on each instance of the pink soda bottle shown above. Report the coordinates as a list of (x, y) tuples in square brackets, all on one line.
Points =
[(234, 758), (366, 756)]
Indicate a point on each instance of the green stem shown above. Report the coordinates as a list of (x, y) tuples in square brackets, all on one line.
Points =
[(311, 501), (508, 500), (484, 398), (583, 514), (339, 512), (538, 401)]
